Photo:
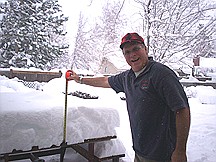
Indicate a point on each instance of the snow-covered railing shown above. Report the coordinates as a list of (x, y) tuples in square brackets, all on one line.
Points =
[(192, 81), (31, 76), (188, 84)]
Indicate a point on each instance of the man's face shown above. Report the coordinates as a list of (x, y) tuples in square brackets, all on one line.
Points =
[(135, 55)]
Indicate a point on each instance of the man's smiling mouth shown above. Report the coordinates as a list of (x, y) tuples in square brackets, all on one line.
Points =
[(135, 60)]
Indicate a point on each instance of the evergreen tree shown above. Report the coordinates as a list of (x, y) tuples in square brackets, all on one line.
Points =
[(27, 31)]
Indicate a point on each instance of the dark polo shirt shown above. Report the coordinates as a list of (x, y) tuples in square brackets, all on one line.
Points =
[(152, 99)]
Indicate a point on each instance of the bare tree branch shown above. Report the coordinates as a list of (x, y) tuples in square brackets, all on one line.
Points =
[(174, 27)]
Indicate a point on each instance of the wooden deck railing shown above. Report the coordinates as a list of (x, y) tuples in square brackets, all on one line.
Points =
[(31, 76)]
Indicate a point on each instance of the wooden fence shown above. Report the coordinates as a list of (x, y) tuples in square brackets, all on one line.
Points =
[(188, 84), (31, 76)]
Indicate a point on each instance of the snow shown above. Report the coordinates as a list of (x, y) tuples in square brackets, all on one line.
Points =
[(28, 116), (31, 117), (207, 62)]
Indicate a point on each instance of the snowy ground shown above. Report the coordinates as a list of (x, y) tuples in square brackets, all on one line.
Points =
[(19, 99)]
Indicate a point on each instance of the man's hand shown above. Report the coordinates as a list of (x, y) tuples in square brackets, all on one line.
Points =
[(71, 75), (179, 156), (92, 81)]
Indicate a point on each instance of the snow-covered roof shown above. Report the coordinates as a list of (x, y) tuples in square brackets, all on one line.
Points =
[(119, 61), (207, 62)]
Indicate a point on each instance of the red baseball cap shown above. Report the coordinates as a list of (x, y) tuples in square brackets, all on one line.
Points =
[(131, 37)]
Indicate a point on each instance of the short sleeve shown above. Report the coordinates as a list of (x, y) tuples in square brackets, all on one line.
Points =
[(116, 82)]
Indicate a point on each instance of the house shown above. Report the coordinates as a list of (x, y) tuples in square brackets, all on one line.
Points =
[(204, 69), (204, 66), (113, 65), (107, 67)]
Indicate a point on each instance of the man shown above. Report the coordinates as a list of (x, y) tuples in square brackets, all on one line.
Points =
[(156, 102)]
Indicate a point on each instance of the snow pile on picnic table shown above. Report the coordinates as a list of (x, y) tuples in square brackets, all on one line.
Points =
[(30, 117)]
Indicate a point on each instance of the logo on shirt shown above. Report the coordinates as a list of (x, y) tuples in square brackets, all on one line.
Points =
[(144, 84)]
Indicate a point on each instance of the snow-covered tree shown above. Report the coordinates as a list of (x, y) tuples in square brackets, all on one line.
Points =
[(204, 43), (83, 56), (173, 28), (112, 22), (99, 40), (28, 29)]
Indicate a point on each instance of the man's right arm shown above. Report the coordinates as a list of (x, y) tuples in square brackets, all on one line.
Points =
[(96, 82)]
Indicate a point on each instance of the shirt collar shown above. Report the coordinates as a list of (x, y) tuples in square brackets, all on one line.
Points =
[(138, 73)]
